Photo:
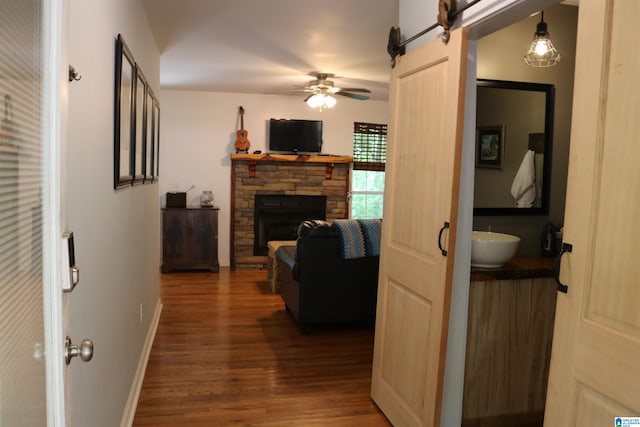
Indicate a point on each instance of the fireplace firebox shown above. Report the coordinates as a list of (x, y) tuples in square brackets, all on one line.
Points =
[(277, 217)]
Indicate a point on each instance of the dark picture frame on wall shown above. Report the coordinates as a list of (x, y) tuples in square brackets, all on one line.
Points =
[(125, 71), (136, 123), (138, 127), (490, 147), (148, 136), (156, 138)]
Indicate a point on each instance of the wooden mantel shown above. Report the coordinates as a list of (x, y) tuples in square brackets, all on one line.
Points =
[(311, 158), (253, 159)]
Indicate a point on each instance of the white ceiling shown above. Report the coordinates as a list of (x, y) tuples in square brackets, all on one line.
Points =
[(270, 46)]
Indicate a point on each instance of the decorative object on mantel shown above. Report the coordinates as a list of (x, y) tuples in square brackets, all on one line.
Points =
[(242, 143)]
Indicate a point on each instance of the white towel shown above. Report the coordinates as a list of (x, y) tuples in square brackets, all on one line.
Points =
[(523, 188)]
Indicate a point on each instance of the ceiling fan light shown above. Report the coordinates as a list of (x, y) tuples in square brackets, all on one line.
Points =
[(321, 101), (315, 101), (329, 101)]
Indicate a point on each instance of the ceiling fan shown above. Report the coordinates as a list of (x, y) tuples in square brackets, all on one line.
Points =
[(321, 90)]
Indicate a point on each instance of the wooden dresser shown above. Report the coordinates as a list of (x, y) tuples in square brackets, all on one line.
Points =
[(190, 239)]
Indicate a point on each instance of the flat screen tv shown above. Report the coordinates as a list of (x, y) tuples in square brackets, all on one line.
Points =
[(295, 136)]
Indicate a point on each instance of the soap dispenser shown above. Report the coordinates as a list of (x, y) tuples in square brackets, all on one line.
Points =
[(548, 243)]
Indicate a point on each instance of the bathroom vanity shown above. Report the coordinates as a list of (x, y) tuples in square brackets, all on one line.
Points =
[(509, 336)]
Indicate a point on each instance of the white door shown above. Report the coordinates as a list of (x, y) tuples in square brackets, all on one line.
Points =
[(416, 263), (595, 363), (31, 342)]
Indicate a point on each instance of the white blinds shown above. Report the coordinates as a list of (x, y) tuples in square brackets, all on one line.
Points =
[(22, 376)]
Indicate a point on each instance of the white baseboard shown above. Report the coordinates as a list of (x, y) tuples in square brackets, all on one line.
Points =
[(136, 385)]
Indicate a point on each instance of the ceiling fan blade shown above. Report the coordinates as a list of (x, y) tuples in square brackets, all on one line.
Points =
[(353, 95), (307, 98), (354, 89)]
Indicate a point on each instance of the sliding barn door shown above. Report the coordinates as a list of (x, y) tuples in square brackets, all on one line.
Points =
[(421, 200), (595, 362)]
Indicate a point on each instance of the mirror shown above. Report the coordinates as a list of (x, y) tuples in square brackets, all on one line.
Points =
[(511, 119)]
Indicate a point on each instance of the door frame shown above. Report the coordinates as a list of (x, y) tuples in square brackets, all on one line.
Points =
[(53, 131), (499, 14)]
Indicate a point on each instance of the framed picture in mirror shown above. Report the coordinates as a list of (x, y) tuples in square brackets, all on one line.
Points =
[(490, 147)]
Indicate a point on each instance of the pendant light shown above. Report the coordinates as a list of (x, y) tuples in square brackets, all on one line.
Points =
[(542, 53)]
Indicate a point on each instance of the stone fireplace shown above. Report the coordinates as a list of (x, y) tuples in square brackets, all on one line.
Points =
[(277, 216), (324, 178)]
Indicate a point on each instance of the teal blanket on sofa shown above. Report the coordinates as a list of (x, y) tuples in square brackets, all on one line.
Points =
[(359, 237)]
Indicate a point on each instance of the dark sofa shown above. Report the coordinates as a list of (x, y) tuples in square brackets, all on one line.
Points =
[(320, 286)]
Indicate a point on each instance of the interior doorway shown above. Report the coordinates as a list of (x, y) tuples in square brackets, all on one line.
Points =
[(499, 56)]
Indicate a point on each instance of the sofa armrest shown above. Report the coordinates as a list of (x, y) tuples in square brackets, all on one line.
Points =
[(287, 255)]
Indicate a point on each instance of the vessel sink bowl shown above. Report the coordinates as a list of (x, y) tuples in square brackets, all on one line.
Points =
[(492, 250)]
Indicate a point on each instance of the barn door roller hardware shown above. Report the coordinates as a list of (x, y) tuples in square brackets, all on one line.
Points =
[(447, 14)]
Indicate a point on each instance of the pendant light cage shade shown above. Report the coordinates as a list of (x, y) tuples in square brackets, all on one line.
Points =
[(542, 52)]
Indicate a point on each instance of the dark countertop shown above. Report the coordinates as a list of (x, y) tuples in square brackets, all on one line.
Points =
[(517, 268)]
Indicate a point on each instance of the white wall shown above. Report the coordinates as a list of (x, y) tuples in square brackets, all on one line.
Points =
[(198, 130), (116, 232)]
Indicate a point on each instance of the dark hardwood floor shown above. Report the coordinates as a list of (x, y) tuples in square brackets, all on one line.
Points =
[(226, 353)]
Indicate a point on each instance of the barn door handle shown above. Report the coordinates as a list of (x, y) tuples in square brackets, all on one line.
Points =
[(566, 247), (444, 227)]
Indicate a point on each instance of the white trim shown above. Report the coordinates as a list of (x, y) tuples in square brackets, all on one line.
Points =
[(52, 17), (366, 193), (453, 387), (134, 394)]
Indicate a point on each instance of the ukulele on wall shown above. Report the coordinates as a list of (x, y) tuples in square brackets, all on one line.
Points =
[(242, 143)]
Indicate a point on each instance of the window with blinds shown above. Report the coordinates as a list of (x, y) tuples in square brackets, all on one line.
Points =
[(369, 146), (369, 157), (22, 368)]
